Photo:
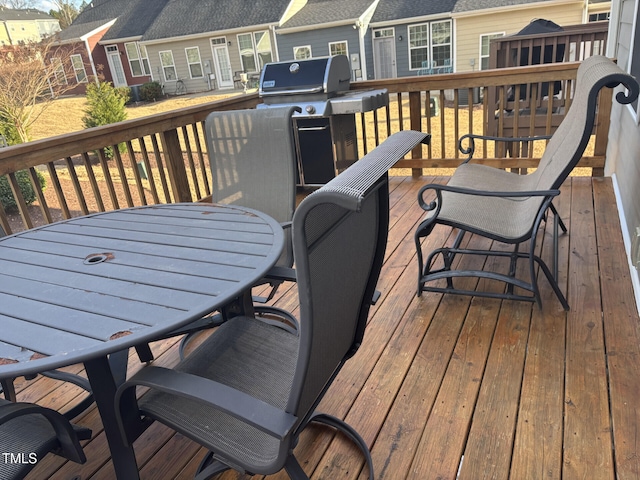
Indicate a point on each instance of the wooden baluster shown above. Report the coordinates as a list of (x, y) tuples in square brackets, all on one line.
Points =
[(123, 176), (147, 165), (37, 188), (93, 182), (160, 165), (62, 201), (19, 199)]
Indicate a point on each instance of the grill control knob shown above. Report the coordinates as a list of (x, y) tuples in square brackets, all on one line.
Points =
[(310, 109)]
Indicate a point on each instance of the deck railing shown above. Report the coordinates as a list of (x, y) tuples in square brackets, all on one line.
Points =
[(162, 158)]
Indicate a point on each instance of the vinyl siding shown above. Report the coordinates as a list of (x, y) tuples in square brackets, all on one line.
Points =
[(623, 151), (319, 40), (206, 54)]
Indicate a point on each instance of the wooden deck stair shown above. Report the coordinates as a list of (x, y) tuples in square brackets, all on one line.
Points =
[(447, 386)]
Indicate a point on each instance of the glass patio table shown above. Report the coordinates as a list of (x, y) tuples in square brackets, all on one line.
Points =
[(79, 290)]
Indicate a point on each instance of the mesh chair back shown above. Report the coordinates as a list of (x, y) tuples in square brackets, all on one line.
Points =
[(252, 160), (340, 236), (568, 143)]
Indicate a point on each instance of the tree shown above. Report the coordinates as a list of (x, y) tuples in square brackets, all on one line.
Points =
[(31, 75), (65, 11), (105, 105), (17, 4)]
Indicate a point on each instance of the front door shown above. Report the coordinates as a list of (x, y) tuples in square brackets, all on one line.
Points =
[(115, 65), (224, 74), (384, 53)]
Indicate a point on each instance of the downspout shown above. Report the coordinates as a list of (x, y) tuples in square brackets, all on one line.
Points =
[(275, 41), (93, 66), (363, 25)]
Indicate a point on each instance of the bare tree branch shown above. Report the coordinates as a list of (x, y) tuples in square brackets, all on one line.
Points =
[(31, 75)]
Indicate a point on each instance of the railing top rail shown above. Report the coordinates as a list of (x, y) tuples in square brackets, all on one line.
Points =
[(17, 157), (479, 78)]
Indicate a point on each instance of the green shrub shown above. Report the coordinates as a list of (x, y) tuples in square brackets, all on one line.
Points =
[(9, 131), (105, 105), (150, 91), (29, 195)]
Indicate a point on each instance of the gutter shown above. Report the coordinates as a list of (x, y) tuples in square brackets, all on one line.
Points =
[(511, 8), (211, 34)]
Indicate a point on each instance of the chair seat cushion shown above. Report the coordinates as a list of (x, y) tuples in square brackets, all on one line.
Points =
[(507, 219), (247, 355)]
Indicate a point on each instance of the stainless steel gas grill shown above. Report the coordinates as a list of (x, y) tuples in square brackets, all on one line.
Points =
[(325, 130)]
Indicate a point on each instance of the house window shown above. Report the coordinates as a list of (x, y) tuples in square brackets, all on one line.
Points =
[(338, 48), (441, 43), (263, 48), (485, 50), (255, 50), (302, 52), (78, 68), (168, 66), (194, 62), (598, 17), (58, 71), (138, 62), (383, 33), (146, 68), (418, 45)]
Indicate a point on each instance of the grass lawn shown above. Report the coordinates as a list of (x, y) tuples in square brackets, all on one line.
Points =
[(64, 115)]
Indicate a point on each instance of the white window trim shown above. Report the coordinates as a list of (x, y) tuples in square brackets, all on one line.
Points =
[(164, 67), (76, 70), (298, 47), (199, 62), (346, 43), (480, 56)]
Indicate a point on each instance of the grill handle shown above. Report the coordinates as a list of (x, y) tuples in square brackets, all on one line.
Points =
[(297, 91), (309, 129)]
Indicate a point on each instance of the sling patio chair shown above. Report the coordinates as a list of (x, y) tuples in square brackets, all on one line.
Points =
[(508, 207), (28, 432), (249, 390), (253, 164)]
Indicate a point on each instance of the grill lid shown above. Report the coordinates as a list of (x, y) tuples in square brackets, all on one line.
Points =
[(326, 76)]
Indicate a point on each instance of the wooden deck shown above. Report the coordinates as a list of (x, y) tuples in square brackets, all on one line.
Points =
[(447, 386)]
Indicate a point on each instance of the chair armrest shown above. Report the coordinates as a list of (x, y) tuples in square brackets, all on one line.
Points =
[(246, 408), (67, 436), (470, 150), (469, 191)]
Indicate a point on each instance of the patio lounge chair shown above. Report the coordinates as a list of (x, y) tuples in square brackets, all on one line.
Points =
[(250, 389), (507, 207), (29, 432)]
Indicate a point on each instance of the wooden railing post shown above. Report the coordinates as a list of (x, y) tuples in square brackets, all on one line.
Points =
[(603, 121), (175, 165), (416, 124)]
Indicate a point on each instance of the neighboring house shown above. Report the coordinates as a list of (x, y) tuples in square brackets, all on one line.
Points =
[(477, 22), (26, 25), (410, 35), (207, 44), (104, 39), (328, 27), (623, 150)]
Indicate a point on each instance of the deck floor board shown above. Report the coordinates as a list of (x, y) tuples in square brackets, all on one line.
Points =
[(448, 387)]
